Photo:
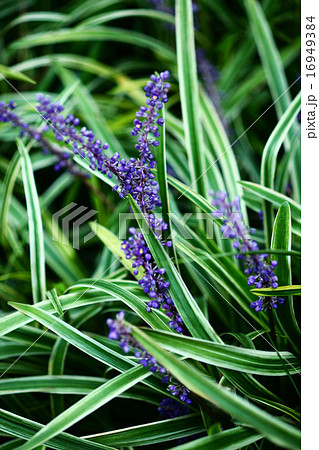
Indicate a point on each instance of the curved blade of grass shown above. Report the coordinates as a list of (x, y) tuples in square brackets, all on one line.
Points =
[(189, 94), (283, 291), (8, 72), (282, 176), (113, 243), (55, 302), (223, 151), (90, 110), (276, 199), (130, 299), (40, 16), (269, 158), (36, 242), (90, 403), (281, 239), (24, 428), (64, 384), (56, 367), (86, 8), (151, 433), (272, 147), (240, 95), (274, 429), (95, 34), (69, 60), (275, 74), (16, 320), (75, 337), (12, 350), (269, 55), (6, 192), (108, 355), (227, 356), (224, 278), (119, 14), (188, 309), (58, 356), (194, 197), (226, 440)]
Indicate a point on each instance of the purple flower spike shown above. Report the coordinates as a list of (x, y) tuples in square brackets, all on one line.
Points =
[(120, 332), (134, 176), (152, 282), (63, 159), (260, 272)]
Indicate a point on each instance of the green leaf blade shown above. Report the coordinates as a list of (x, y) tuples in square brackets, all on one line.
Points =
[(189, 93), (37, 254)]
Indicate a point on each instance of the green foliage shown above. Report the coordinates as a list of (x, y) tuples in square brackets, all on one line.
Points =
[(64, 384)]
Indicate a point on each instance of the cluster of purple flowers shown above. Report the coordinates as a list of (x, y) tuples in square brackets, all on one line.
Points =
[(134, 175), (147, 124), (146, 127), (152, 282), (156, 95), (63, 158), (119, 331), (260, 272)]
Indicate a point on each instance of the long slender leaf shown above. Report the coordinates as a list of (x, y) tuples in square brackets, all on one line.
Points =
[(113, 243), (223, 151), (281, 239), (119, 14), (37, 255), (269, 55), (276, 199), (8, 72), (24, 428), (269, 158), (94, 34), (13, 321), (236, 286), (105, 354), (54, 299), (6, 192), (227, 356), (272, 147), (281, 290), (226, 440), (273, 428), (188, 309), (151, 433), (90, 403), (133, 301), (65, 384), (188, 85)]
